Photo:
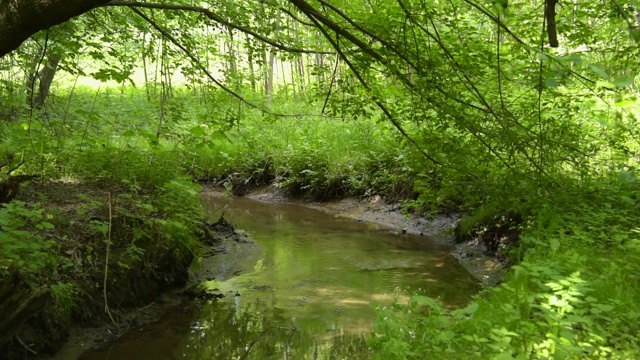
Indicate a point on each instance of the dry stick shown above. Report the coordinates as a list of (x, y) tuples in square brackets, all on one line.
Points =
[(26, 346), (106, 263)]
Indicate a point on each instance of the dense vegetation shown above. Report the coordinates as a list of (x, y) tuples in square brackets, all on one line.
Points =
[(500, 111)]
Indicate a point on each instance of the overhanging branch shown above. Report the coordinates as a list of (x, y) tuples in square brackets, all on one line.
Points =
[(205, 71), (212, 16)]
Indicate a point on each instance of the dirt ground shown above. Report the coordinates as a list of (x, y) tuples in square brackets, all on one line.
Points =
[(227, 252)]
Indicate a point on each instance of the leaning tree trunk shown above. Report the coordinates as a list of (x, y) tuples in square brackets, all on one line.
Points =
[(17, 303), (43, 81)]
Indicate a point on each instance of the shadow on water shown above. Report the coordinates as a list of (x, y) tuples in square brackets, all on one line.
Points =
[(310, 296)]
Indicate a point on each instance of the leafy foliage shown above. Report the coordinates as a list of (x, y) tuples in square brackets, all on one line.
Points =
[(455, 105), (22, 243)]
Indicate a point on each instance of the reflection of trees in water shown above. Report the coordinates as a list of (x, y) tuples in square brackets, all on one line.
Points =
[(260, 331)]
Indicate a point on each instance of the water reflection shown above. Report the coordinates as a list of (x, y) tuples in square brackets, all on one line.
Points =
[(310, 296), (261, 331)]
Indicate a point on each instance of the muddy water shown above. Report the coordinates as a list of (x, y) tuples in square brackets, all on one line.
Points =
[(311, 295)]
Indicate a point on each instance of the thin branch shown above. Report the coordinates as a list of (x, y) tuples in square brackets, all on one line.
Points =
[(304, 7), (106, 264), (209, 14), (290, 13), (404, 57), (333, 79)]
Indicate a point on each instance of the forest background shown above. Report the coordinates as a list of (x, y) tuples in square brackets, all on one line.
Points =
[(521, 114)]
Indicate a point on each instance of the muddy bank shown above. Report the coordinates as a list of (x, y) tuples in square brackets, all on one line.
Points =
[(227, 252), (471, 251), (95, 238)]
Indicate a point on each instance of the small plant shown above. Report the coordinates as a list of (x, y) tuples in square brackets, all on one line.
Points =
[(65, 297), (21, 243)]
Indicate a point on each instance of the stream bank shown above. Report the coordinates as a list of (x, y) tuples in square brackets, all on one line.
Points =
[(143, 270), (315, 292), (226, 252)]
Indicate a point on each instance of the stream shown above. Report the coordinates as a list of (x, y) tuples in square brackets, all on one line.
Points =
[(311, 294)]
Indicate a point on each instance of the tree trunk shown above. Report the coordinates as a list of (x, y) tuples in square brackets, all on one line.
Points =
[(46, 79), (19, 19), (252, 73)]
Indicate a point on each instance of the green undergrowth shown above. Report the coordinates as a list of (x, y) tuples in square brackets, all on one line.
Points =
[(97, 194), (216, 139), (573, 295), (311, 156), (572, 290)]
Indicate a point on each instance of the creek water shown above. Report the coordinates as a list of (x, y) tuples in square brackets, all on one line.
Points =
[(311, 294)]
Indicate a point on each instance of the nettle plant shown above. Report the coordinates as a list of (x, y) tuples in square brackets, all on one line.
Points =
[(22, 244)]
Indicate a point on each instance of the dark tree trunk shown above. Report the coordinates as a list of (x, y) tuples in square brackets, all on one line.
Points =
[(550, 13), (19, 19)]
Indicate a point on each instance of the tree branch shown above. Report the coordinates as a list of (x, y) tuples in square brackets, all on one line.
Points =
[(305, 7), (19, 19), (212, 16)]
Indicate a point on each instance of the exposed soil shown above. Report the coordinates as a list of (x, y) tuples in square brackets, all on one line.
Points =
[(227, 252), (238, 254), (139, 288)]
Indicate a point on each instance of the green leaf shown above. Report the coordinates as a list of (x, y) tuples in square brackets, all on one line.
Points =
[(605, 84), (47, 225), (623, 81), (128, 133), (627, 177), (598, 70), (626, 103), (425, 300), (472, 308), (550, 82), (197, 131)]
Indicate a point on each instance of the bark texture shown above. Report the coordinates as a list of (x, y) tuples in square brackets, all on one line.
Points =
[(19, 19)]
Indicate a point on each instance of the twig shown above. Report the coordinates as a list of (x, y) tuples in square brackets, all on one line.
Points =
[(25, 346), (106, 264), (333, 79)]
